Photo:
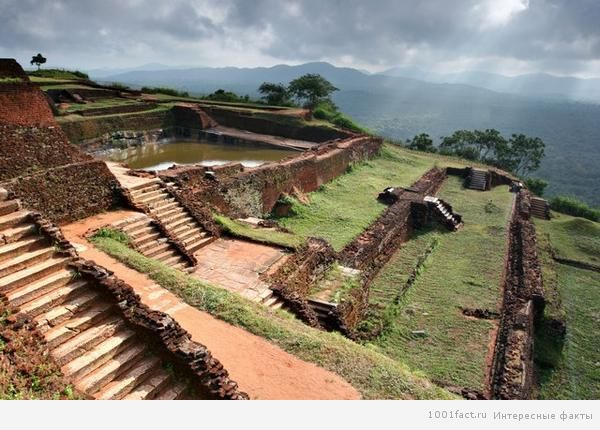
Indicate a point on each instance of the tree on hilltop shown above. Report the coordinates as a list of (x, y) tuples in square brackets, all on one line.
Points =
[(38, 60), (311, 88), (274, 94), (421, 142)]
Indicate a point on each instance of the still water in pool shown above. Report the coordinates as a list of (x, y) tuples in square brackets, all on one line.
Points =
[(160, 156)]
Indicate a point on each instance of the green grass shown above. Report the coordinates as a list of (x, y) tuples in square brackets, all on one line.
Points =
[(238, 229), (74, 117), (374, 375), (341, 209), (102, 103), (572, 367), (10, 80), (464, 270), (58, 74), (574, 238)]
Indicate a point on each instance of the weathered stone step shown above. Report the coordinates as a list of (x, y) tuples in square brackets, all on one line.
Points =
[(9, 206), (158, 249), (176, 209), (53, 298), (16, 248), (187, 220), (145, 189), (141, 186), (31, 274), (99, 354), (136, 225), (82, 321), (174, 260), (141, 232), (150, 387), (174, 216), (123, 384), (105, 373), (198, 242), (154, 206), (142, 240), (185, 230), (152, 197), (25, 260), (14, 234), (89, 338), (165, 209), (174, 392), (144, 248), (61, 313), (165, 255), (14, 218), (38, 288)]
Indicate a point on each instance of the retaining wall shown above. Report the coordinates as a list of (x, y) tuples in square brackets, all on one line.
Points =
[(68, 193), (523, 303), (254, 192)]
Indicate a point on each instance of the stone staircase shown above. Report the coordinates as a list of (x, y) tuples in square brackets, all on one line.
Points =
[(444, 211), (478, 179), (269, 299), (323, 310), (540, 208), (148, 240), (85, 332), (176, 219)]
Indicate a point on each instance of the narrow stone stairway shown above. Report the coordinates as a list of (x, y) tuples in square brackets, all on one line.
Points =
[(540, 208), (148, 240), (444, 211), (86, 335), (269, 299), (478, 179), (176, 219)]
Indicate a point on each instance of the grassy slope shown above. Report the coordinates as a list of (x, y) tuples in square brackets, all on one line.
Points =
[(344, 207), (239, 229), (576, 373), (464, 270), (373, 374)]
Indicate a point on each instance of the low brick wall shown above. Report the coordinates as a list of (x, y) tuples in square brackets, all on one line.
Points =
[(93, 128), (293, 280), (68, 193), (24, 104), (373, 248), (112, 110), (273, 124), (513, 369)]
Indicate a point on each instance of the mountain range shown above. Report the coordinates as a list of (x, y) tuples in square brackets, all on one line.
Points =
[(402, 102)]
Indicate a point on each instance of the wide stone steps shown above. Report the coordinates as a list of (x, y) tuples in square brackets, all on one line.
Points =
[(148, 240), (176, 219), (478, 180), (84, 331), (540, 208)]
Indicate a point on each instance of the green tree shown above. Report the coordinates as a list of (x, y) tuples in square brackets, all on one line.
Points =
[(524, 154), (421, 142), (274, 94), (311, 89), (536, 186), (38, 60)]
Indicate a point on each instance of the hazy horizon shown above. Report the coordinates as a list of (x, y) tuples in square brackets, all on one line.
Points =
[(510, 37)]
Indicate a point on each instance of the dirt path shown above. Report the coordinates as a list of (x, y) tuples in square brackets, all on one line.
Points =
[(261, 369)]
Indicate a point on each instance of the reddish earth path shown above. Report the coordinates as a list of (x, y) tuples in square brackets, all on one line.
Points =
[(261, 369)]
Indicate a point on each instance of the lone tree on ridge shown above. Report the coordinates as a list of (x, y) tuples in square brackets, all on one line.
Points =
[(38, 60), (274, 94), (312, 88)]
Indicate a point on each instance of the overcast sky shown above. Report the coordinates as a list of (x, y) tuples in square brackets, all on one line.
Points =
[(506, 36)]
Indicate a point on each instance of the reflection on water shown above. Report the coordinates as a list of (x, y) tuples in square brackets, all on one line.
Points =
[(159, 156)]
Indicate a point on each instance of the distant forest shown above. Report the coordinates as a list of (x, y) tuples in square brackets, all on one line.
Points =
[(571, 131)]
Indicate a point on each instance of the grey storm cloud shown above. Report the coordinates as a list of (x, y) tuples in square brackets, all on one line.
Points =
[(552, 35)]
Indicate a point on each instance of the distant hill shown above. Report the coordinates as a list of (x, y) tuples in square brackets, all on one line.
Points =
[(399, 107), (540, 85)]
